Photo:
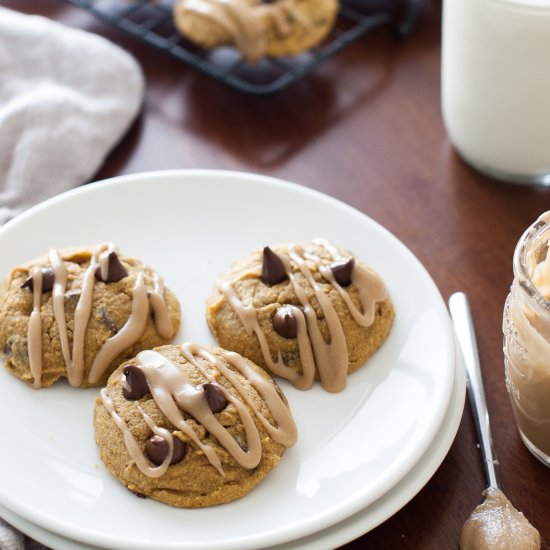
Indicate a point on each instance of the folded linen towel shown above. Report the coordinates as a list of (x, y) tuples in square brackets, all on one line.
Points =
[(11, 539), (66, 98)]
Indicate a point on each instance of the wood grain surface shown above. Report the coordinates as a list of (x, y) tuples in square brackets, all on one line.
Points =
[(365, 128)]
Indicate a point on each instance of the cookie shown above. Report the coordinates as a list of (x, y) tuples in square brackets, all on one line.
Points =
[(257, 28), (78, 313), (191, 426), (302, 312)]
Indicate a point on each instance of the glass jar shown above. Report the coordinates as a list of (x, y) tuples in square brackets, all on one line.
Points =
[(526, 328)]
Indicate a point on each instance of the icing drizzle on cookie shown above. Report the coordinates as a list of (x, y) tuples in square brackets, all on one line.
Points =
[(328, 359), (132, 445), (175, 393), (125, 337), (34, 335), (245, 23)]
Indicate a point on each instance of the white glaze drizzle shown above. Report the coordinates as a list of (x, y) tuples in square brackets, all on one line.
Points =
[(370, 286), (285, 432), (129, 334), (247, 316), (163, 323), (81, 317), (329, 359), (58, 300), (174, 392), (132, 445), (244, 23), (34, 334), (104, 261)]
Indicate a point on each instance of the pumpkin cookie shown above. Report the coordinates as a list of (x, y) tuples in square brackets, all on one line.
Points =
[(302, 312), (79, 313), (257, 28), (191, 426)]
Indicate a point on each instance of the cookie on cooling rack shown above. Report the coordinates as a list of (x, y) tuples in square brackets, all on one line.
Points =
[(257, 28)]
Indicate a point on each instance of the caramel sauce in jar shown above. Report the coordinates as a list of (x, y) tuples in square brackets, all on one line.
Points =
[(526, 328)]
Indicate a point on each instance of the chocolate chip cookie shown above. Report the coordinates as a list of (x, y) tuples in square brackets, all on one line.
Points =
[(79, 313), (257, 28), (191, 426), (302, 312)]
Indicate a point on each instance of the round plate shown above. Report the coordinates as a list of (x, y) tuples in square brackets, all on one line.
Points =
[(353, 446), (349, 529)]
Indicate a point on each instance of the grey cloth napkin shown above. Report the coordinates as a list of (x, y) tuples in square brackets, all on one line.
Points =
[(66, 98), (11, 539)]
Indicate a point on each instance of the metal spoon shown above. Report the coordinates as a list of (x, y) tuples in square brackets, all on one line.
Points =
[(464, 329), (495, 523)]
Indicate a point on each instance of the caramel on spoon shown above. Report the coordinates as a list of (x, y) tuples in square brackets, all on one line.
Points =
[(495, 523)]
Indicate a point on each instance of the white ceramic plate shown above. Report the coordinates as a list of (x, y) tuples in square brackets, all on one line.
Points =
[(349, 529), (353, 447)]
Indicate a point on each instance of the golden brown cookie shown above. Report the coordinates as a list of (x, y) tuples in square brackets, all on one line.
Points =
[(303, 312), (191, 426), (79, 313), (257, 28)]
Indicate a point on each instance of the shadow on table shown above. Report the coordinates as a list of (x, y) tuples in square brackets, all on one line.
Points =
[(268, 131), (264, 132)]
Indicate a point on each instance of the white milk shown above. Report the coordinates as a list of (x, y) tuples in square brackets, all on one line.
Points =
[(496, 85)]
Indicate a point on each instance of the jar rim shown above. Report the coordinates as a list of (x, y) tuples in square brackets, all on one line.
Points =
[(524, 245)]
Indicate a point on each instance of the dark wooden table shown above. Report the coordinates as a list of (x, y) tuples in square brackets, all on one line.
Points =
[(365, 128)]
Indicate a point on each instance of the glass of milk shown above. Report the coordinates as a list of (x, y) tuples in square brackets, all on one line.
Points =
[(496, 86)]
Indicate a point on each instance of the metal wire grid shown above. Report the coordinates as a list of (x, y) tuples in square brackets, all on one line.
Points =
[(152, 22)]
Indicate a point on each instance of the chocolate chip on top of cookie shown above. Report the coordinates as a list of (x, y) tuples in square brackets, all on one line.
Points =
[(285, 323), (110, 269), (209, 428), (46, 280), (78, 313), (134, 383), (302, 312), (342, 271), (158, 450), (273, 269)]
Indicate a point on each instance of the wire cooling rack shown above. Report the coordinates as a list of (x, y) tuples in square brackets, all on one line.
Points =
[(151, 21)]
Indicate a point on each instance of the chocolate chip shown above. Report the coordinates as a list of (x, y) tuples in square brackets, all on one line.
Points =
[(47, 280), (115, 270), (157, 449), (7, 348), (215, 397), (107, 322), (342, 271), (136, 384), (285, 323), (139, 495), (72, 297), (273, 269)]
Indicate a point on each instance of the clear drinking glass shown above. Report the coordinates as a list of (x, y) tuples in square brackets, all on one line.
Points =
[(495, 86)]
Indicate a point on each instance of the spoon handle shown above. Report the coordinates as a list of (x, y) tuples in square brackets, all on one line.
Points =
[(464, 329)]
